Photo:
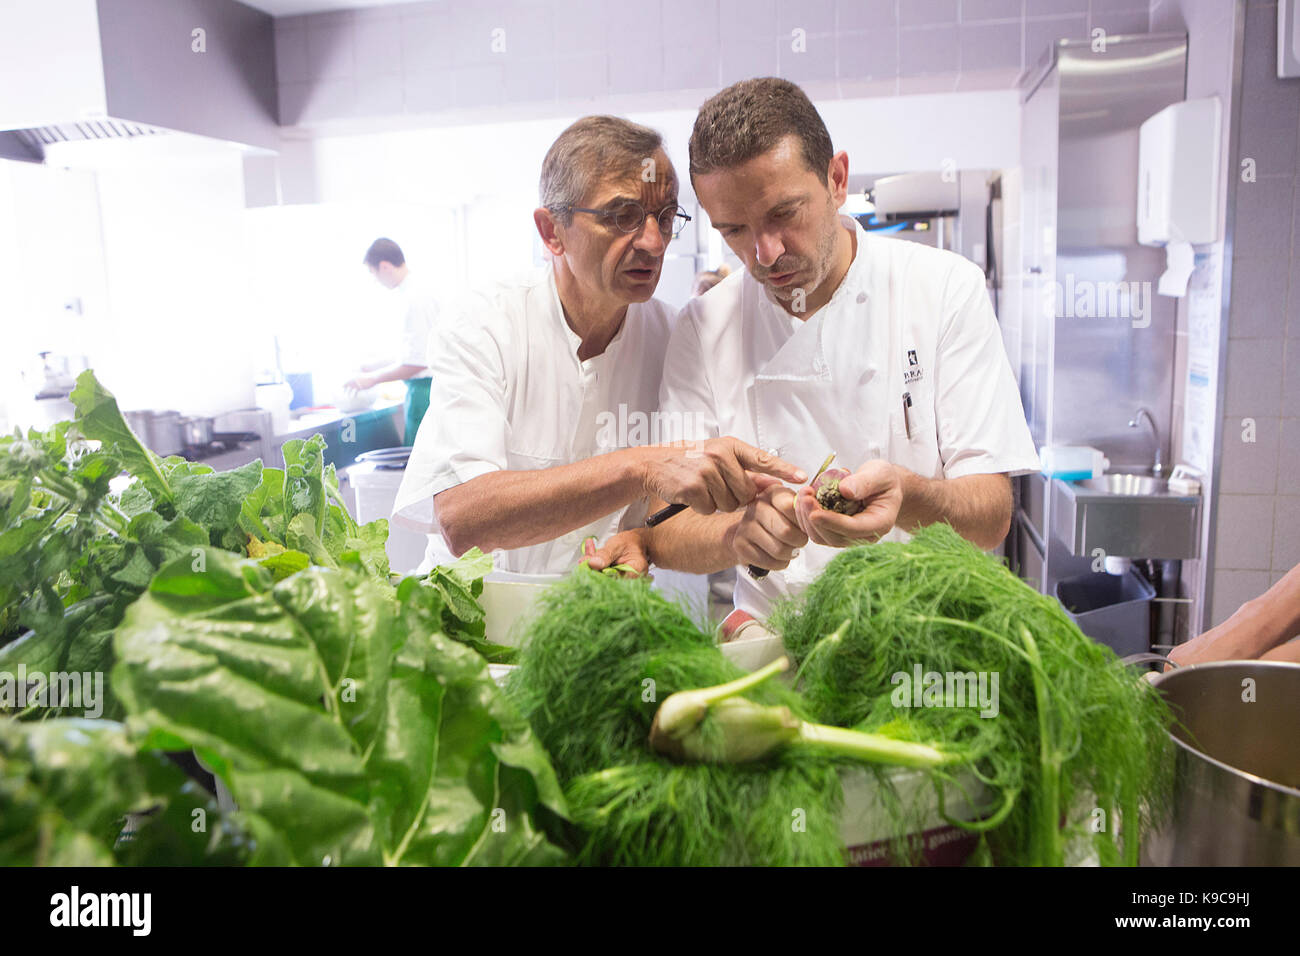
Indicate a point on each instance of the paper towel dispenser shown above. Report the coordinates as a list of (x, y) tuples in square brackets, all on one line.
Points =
[(1178, 174)]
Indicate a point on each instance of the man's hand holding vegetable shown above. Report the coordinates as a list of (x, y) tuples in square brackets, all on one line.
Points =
[(779, 521), (881, 496)]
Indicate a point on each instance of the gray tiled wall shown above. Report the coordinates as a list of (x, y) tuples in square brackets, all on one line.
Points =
[(438, 57), (1259, 511), (1257, 530)]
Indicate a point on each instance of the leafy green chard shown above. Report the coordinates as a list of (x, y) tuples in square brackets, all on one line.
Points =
[(460, 585), (98, 418), (1075, 732), (348, 730), (73, 554), (70, 558), (68, 784)]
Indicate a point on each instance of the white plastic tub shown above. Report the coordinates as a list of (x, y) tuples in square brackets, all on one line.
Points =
[(508, 599)]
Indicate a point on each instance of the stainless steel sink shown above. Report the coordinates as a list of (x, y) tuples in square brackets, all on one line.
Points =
[(1127, 484), (1126, 515)]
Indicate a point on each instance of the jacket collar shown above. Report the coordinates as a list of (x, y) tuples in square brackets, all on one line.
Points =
[(803, 357), (571, 339)]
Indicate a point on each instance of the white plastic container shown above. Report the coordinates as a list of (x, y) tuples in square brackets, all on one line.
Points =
[(276, 398), (508, 598), (375, 492), (1073, 462)]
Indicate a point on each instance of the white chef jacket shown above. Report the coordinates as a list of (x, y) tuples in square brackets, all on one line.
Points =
[(419, 313), (906, 319), (509, 393)]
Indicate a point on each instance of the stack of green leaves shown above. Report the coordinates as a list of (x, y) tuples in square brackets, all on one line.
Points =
[(460, 585), (1077, 736), (598, 658), (73, 554), (347, 728), (67, 784)]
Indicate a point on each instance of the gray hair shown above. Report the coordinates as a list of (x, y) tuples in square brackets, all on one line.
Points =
[(592, 148)]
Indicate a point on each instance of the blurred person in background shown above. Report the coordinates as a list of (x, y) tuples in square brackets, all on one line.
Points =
[(386, 263), (706, 280)]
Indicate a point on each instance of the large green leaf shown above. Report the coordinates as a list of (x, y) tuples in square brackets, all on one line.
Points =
[(304, 480), (78, 792), (459, 586), (214, 499), (78, 640), (98, 417), (470, 569), (347, 731), (262, 512), (66, 787)]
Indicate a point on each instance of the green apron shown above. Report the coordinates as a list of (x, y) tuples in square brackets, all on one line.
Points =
[(416, 404)]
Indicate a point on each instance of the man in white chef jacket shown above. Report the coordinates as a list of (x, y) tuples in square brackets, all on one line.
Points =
[(387, 264), (519, 453), (883, 351)]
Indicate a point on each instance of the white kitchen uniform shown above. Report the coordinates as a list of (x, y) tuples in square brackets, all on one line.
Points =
[(419, 313), (509, 393), (907, 320)]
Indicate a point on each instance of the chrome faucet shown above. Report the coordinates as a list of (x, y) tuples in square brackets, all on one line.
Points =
[(1158, 468)]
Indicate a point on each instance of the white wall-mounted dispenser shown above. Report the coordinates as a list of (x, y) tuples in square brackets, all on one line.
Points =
[(1178, 174), (1178, 184), (1288, 39)]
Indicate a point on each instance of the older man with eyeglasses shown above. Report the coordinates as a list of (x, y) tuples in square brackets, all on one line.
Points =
[(514, 455)]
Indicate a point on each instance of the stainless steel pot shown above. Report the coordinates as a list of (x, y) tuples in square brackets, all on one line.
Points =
[(139, 423), (160, 431), (1237, 753), (196, 431), (164, 435)]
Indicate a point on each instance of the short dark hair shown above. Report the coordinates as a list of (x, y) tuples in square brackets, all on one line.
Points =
[(750, 117), (590, 149), (384, 250)]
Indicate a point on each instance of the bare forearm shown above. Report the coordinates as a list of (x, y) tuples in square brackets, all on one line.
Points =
[(977, 506), (1283, 607), (1265, 622), (396, 373), (515, 509), (1288, 653), (690, 542), (1261, 628)]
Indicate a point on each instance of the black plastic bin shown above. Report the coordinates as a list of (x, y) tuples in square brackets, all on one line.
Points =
[(1112, 609)]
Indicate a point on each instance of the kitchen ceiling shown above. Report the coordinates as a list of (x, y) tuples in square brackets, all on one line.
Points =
[(293, 8)]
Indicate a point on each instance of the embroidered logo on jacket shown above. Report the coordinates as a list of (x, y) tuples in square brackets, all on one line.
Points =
[(914, 372)]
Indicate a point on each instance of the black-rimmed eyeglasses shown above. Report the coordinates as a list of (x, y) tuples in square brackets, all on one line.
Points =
[(630, 217)]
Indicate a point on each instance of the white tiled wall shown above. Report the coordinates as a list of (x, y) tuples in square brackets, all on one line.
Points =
[(438, 57)]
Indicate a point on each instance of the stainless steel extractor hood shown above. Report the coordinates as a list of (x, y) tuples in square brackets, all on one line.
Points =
[(78, 70), (35, 140)]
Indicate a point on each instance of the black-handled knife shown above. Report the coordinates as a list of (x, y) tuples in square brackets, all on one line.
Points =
[(663, 514)]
